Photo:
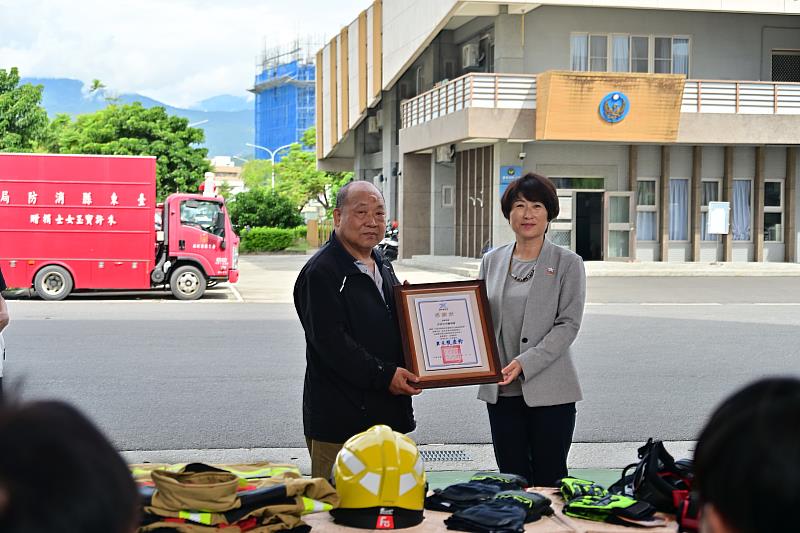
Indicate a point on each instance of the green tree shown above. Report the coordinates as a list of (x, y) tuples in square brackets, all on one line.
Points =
[(299, 179), (261, 207), (97, 86), (257, 173), (135, 130), (23, 121)]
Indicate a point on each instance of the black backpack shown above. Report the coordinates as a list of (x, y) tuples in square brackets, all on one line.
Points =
[(657, 478)]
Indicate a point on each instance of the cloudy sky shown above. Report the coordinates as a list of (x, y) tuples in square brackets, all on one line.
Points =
[(176, 51)]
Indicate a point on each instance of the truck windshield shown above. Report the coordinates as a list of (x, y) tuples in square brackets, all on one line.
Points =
[(205, 215)]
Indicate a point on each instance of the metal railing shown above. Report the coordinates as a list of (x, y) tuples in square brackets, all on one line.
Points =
[(518, 91), (497, 91), (743, 97)]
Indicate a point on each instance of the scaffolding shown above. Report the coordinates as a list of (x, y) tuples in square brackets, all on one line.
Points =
[(284, 89)]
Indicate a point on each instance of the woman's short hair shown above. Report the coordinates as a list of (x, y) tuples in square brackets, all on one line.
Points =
[(534, 188)]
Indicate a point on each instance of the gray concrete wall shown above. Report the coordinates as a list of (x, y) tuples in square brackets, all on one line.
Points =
[(777, 37), (389, 153), (718, 128), (723, 45), (473, 30), (470, 123), (509, 43), (579, 160), (415, 205), (443, 218)]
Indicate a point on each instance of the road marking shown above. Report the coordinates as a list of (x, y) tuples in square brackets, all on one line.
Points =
[(654, 304), (691, 304), (236, 293)]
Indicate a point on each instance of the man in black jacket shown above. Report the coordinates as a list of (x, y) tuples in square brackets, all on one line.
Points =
[(354, 357)]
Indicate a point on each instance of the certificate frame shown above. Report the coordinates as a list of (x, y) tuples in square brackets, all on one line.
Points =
[(431, 316)]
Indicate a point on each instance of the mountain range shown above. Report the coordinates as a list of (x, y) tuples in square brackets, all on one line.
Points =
[(228, 121)]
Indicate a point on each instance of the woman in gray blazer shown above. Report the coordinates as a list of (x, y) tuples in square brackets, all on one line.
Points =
[(536, 294)]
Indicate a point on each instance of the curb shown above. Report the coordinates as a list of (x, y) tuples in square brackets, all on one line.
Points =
[(469, 269), (582, 455)]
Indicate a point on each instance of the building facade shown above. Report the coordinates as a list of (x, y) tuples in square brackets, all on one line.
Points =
[(284, 94), (671, 133)]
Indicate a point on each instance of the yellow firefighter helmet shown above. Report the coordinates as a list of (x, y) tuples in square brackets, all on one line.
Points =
[(380, 478)]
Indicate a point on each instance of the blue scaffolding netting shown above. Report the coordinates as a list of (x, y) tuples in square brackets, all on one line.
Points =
[(284, 105)]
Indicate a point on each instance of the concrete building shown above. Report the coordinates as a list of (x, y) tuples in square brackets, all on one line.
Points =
[(226, 173), (653, 118)]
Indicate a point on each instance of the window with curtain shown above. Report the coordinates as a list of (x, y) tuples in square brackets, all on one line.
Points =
[(709, 193), (662, 58), (680, 56), (640, 54), (598, 53), (679, 209), (629, 53), (773, 211), (741, 210), (646, 210), (579, 51), (620, 61)]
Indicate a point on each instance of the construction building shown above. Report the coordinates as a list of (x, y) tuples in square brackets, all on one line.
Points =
[(284, 91)]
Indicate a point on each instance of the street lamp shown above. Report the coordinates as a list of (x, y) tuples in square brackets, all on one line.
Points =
[(271, 156)]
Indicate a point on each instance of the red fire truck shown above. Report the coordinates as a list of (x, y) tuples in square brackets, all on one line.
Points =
[(91, 222)]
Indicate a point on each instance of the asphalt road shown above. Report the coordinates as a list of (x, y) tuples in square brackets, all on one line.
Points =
[(654, 356)]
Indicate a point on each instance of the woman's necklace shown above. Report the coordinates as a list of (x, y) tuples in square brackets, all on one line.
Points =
[(521, 279)]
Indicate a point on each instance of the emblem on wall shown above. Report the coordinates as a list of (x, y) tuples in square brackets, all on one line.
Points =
[(614, 106)]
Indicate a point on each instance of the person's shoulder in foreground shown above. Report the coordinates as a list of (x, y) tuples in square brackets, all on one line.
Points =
[(747, 460), (58, 473)]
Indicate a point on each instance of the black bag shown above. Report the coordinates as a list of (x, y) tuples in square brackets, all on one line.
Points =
[(490, 517), (460, 496), (656, 478)]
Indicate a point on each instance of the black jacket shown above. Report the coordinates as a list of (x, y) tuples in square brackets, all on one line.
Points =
[(353, 347)]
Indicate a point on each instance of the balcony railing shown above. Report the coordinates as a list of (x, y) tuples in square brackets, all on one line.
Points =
[(518, 91), (744, 97), (497, 91)]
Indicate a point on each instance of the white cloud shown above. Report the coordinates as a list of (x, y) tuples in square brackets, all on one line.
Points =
[(177, 51)]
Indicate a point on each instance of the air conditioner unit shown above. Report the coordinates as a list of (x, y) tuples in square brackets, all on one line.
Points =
[(372, 125), (469, 55), (379, 118), (445, 153)]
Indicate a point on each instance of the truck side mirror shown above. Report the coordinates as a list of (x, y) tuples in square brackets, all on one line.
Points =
[(223, 244)]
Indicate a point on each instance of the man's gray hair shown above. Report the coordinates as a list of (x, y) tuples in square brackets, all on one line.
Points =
[(341, 195)]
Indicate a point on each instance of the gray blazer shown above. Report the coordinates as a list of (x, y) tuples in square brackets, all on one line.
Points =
[(552, 319)]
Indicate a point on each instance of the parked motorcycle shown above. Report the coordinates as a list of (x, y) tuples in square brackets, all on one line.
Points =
[(390, 244)]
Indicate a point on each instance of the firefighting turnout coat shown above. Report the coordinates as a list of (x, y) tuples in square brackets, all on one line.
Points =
[(353, 347), (259, 498)]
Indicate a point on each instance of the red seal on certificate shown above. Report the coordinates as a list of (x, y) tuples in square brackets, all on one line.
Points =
[(451, 354)]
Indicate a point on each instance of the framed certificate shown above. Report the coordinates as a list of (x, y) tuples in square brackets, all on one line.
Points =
[(447, 331)]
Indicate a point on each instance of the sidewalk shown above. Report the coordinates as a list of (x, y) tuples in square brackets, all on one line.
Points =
[(270, 278), (469, 267)]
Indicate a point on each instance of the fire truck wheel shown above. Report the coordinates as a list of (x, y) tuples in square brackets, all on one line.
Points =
[(187, 283), (53, 283)]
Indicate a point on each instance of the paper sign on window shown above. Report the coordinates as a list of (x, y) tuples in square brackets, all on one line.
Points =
[(718, 217)]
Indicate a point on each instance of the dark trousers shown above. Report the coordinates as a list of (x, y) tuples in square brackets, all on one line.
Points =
[(532, 442)]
